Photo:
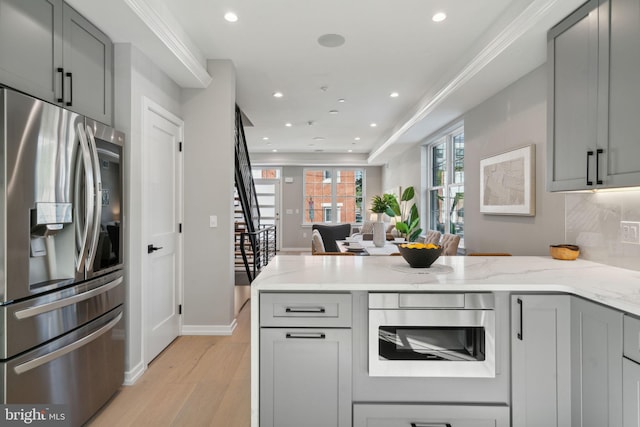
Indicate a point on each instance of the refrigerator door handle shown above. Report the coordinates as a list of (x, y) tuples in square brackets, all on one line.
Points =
[(39, 361), (83, 236), (43, 308), (97, 212)]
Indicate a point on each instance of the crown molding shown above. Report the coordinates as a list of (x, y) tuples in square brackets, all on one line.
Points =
[(192, 61), (510, 34)]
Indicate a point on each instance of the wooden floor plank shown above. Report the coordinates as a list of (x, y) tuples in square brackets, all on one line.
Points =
[(196, 381)]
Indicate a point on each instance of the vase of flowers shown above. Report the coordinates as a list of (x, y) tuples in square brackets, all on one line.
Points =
[(380, 205)]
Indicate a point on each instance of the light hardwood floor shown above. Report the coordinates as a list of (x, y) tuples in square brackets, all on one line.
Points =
[(196, 381)]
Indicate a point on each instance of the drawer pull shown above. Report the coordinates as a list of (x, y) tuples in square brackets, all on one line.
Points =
[(305, 310), (430, 425), (306, 335)]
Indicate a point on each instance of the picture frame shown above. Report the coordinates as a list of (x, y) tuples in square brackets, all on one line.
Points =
[(507, 183)]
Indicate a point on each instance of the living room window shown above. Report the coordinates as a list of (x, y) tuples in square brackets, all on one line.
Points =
[(446, 183), (333, 195)]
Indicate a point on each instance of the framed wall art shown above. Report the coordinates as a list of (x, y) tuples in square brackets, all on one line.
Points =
[(507, 183)]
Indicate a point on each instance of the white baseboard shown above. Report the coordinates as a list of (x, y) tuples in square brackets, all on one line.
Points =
[(134, 374), (209, 329)]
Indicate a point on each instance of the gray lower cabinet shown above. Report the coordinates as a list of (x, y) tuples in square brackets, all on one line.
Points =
[(630, 393), (305, 360), (48, 50), (398, 415), (305, 377), (540, 358), (596, 364)]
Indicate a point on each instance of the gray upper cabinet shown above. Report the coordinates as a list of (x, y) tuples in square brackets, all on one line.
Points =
[(31, 46), (594, 91), (88, 63), (540, 346), (60, 57), (596, 365)]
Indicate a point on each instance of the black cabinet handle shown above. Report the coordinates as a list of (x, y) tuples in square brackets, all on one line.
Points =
[(61, 71), (519, 334), (598, 152), (306, 335), (70, 103), (430, 425), (589, 154), (304, 310), (151, 248)]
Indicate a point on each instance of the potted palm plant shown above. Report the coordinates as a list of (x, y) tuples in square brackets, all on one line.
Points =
[(408, 224)]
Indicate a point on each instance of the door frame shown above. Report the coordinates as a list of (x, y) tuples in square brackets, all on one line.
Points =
[(149, 106), (278, 206)]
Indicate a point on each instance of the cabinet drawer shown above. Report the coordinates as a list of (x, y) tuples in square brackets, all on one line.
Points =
[(381, 415), (632, 338), (325, 310)]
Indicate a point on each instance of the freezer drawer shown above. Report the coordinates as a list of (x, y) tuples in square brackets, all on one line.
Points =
[(82, 369), (30, 323)]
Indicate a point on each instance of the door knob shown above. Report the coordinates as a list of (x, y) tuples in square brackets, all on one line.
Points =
[(151, 248)]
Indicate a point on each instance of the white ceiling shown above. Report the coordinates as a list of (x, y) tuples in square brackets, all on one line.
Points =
[(440, 70)]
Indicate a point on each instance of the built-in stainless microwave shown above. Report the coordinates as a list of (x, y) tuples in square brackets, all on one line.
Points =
[(432, 335)]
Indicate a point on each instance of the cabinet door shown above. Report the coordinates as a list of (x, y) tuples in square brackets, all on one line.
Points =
[(622, 143), (540, 345), (305, 377), (630, 393), (88, 64), (572, 58), (596, 364), (31, 46)]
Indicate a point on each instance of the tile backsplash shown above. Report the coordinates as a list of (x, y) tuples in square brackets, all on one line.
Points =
[(592, 221)]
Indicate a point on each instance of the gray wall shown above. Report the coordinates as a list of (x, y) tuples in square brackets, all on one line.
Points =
[(513, 118), (294, 234), (209, 116), (136, 77)]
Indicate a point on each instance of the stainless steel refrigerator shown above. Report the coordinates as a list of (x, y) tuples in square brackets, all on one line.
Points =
[(61, 260)]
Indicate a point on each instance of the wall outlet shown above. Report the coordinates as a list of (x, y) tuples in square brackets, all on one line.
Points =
[(304, 235), (630, 232)]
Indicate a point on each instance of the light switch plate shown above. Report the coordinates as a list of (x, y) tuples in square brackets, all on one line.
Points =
[(213, 221)]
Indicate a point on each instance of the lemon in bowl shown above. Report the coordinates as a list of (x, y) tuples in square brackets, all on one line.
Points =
[(420, 255)]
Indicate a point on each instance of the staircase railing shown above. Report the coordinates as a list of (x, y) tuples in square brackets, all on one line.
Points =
[(263, 247), (261, 239)]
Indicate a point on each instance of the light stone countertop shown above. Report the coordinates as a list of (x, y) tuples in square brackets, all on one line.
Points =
[(616, 287), (612, 286)]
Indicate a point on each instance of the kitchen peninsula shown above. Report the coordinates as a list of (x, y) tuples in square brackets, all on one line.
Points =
[(325, 304)]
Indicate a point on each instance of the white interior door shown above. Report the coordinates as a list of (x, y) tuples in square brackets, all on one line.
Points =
[(162, 271), (268, 192)]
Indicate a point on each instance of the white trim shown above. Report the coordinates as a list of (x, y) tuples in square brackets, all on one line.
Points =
[(512, 32), (192, 60), (209, 329), (134, 374)]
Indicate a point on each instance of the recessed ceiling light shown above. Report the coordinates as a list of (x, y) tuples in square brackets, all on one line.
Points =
[(349, 151), (341, 100), (331, 40), (277, 94), (318, 138), (357, 138), (439, 17), (288, 125), (333, 111), (274, 150), (265, 138), (394, 94), (230, 17), (373, 125)]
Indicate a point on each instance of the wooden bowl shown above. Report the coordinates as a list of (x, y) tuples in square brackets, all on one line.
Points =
[(564, 252), (419, 257)]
